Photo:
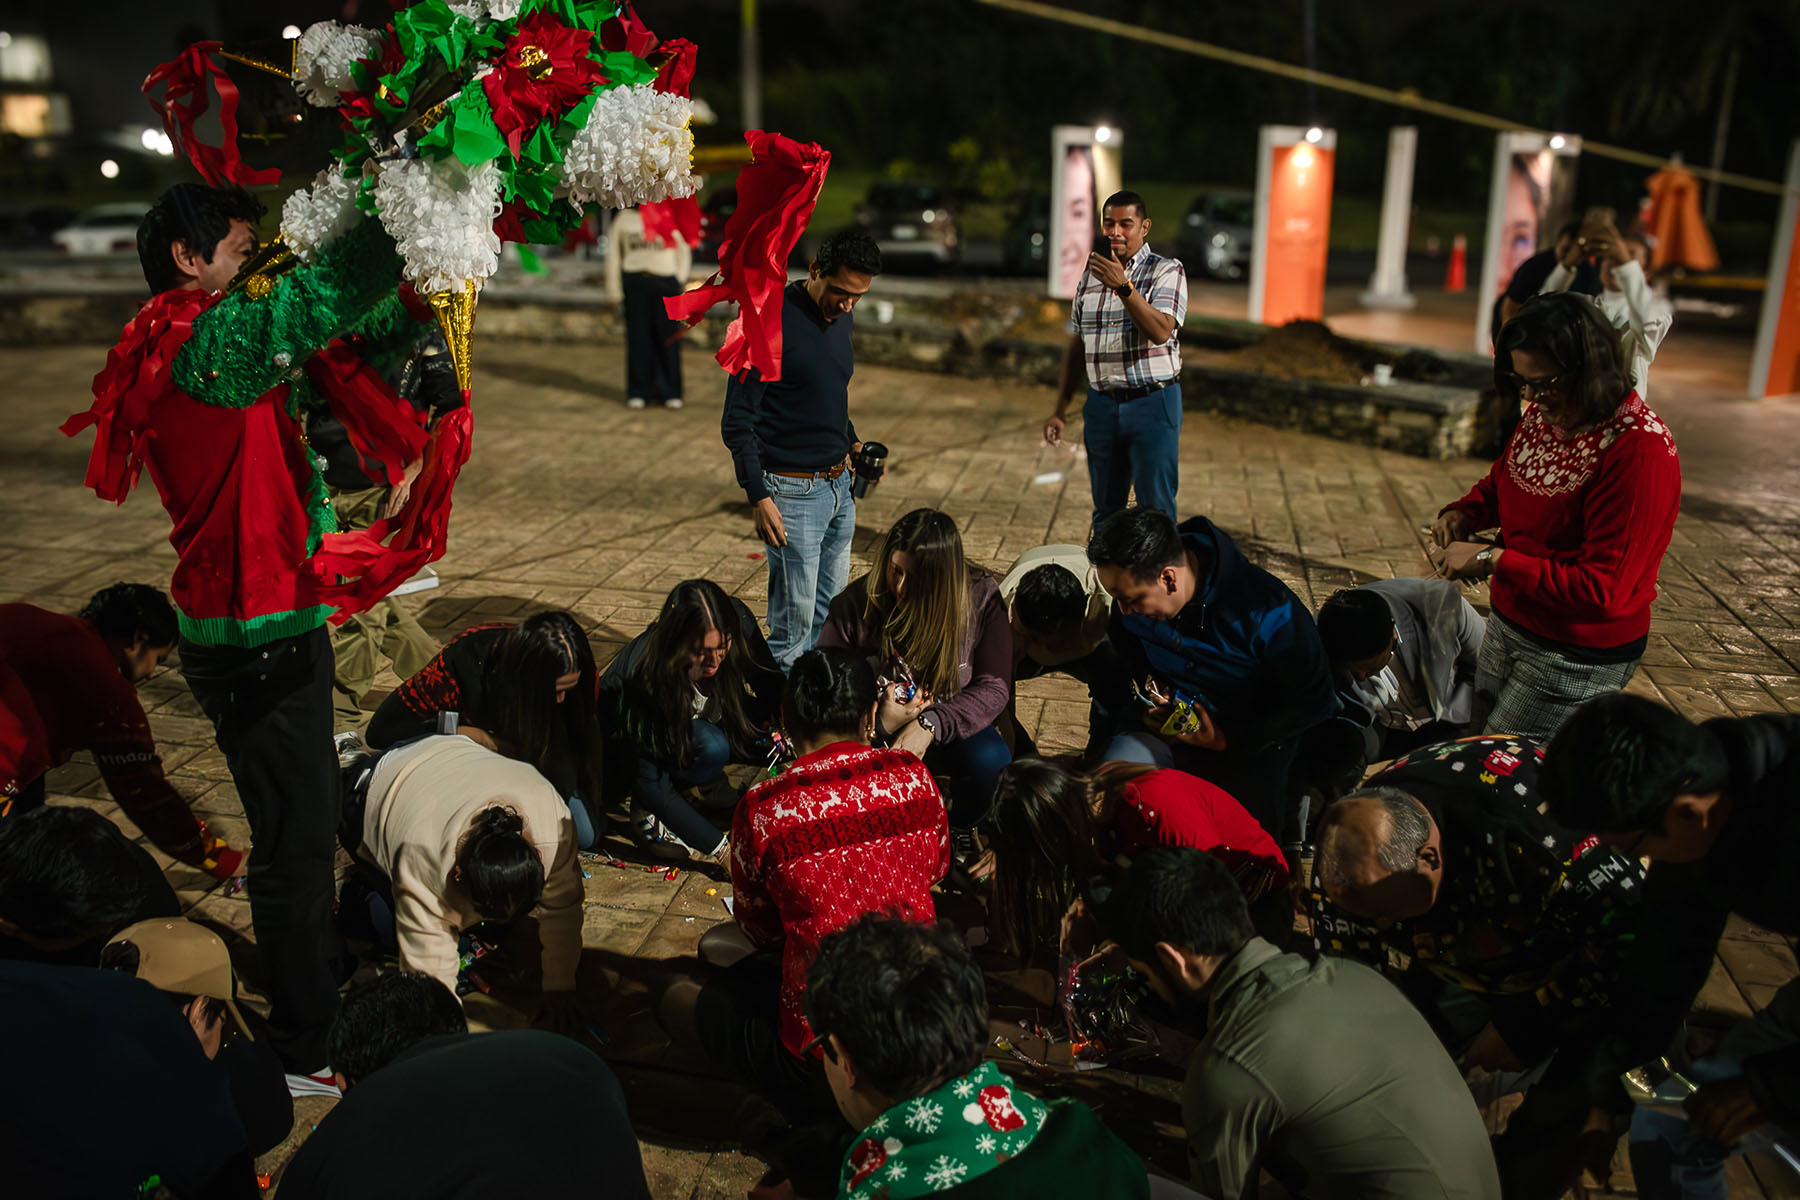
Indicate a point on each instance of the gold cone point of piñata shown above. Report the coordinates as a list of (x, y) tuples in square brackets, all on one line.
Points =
[(456, 317)]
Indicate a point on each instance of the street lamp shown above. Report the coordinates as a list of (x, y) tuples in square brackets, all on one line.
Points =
[(1315, 135), (109, 169), (1558, 141), (1103, 134), (290, 32)]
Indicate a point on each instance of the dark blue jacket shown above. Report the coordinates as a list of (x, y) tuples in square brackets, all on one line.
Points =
[(1245, 648)]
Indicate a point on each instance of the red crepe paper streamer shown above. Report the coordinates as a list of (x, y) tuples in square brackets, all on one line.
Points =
[(664, 219), (776, 195), (183, 80), (376, 560), (134, 376)]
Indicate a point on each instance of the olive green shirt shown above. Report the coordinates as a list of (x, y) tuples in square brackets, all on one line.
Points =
[(1324, 1075)]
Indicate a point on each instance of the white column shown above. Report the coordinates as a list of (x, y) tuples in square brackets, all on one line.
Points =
[(1781, 283), (1259, 228), (1387, 287)]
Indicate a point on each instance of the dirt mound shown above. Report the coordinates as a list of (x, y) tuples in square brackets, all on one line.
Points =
[(1297, 350)]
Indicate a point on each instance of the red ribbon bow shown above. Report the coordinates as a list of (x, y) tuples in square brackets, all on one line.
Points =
[(776, 195), (184, 101)]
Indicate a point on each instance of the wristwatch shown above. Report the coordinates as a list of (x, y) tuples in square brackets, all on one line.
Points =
[(1486, 559), (1123, 290), (927, 724)]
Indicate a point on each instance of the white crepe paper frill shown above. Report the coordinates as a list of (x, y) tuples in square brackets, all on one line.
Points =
[(441, 215), (315, 215), (636, 148), (325, 58), (474, 10)]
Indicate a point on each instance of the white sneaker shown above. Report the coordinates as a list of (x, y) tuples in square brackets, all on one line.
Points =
[(321, 1083), (672, 402), (635, 402)]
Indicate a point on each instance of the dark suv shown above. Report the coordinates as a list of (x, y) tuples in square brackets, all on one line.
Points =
[(1215, 234)]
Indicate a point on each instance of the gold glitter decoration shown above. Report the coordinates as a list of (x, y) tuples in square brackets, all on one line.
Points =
[(256, 278), (277, 57), (456, 317), (537, 64)]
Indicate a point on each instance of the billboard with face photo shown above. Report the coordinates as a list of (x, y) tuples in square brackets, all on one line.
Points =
[(1533, 194), (1084, 167)]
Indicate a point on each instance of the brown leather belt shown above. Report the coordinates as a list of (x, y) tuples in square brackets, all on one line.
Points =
[(831, 473)]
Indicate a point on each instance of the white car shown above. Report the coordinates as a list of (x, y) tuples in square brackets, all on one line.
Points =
[(110, 229)]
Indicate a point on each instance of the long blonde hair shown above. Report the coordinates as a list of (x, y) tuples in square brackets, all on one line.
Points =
[(925, 628)]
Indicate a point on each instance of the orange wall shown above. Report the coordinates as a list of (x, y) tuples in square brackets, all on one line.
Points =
[(1784, 359), (1299, 227)]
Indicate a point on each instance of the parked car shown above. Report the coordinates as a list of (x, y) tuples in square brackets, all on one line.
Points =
[(1027, 246), (1215, 234), (911, 221), (30, 226), (109, 229)]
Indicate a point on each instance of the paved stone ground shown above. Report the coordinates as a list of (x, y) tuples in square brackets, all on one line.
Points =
[(573, 501)]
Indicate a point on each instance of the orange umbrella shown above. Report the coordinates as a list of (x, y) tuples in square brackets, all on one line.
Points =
[(1672, 218)]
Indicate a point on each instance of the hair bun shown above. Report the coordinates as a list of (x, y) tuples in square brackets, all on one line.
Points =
[(500, 820)]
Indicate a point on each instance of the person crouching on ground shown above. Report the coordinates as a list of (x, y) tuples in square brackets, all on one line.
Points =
[(1051, 830), (456, 835), (526, 690), (922, 609), (846, 829), (692, 693), (900, 1011)]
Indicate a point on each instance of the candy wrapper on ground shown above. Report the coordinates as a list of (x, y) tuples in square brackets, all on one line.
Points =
[(1099, 997)]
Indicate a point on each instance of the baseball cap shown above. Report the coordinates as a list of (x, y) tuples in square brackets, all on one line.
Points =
[(176, 955)]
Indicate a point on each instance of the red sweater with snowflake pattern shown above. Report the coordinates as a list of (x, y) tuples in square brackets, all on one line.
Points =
[(1585, 520)]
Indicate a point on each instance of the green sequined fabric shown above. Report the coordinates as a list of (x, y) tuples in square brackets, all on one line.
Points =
[(241, 347)]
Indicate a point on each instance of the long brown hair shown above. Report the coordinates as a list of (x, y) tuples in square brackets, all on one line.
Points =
[(694, 608), (1041, 832), (925, 628)]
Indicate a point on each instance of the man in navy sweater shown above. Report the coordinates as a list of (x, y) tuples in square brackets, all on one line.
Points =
[(1195, 621), (790, 440)]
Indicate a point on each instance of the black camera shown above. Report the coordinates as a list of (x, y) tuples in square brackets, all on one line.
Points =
[(867, 463)]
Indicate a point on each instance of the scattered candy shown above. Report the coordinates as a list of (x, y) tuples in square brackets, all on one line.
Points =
[(712, 891)]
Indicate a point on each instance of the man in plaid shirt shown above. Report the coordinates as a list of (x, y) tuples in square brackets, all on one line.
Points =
[(1127, 317)]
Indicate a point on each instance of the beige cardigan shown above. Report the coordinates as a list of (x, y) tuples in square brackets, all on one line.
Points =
[(421, 801)]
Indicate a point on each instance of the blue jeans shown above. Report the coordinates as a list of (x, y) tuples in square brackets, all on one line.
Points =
[(585, 833), (657, 786), (973, 766), (814, 566), (1134, 442)]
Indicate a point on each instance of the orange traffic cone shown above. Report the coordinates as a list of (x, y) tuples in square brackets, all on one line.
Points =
[(1456, 279)]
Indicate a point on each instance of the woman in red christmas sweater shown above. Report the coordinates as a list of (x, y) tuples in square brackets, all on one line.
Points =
[(1585, 499), (846, 829), (1051, 830)]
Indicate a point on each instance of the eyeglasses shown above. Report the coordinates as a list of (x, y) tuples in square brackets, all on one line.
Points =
[(1528, 388), (820, 1041)]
